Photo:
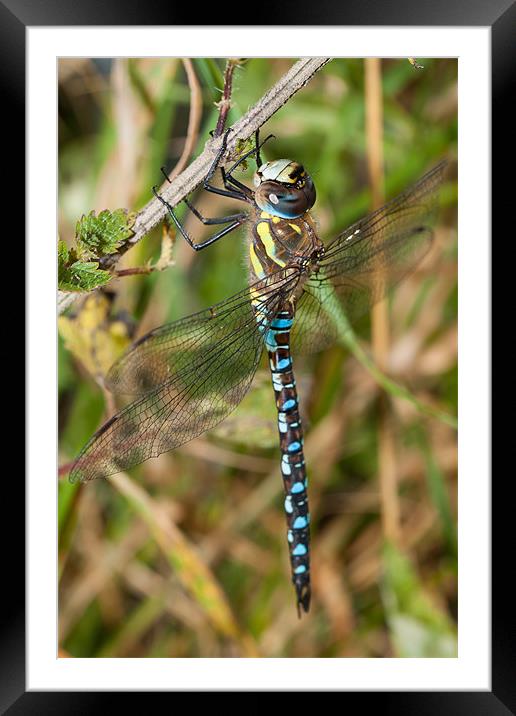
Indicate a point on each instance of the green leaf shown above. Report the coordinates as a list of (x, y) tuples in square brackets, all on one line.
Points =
[(62, 256), (82, 276), (100, 235), (96, 236)]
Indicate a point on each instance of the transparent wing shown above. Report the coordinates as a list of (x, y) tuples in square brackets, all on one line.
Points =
[(364, 262), (189, 375), (174, 348)]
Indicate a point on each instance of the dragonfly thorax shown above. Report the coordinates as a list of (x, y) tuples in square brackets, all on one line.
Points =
[(284, 189)]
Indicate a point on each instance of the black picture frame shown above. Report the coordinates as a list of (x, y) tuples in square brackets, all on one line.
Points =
[(500, 15)]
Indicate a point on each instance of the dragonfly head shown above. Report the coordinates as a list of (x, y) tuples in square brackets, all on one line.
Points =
[(284, 188)]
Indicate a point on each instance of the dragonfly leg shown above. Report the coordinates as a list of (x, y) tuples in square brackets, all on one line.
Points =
[(228, 191), (231, 182), (216, 220), (258, 146), (255, 150), (227, 176), (211, 239)]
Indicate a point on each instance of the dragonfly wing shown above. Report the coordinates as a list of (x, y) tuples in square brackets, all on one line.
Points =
[(192, 393), (314, 327), (167, 351), (364, 262), (173, 348)]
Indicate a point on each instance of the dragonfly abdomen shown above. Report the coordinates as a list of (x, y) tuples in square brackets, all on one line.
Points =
[(293, 467)]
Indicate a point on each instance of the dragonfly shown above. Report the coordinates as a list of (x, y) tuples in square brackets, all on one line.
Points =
[(185, 377)]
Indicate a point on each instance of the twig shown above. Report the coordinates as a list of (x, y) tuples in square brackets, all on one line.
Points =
[(165, 260), (225, 103), (154, 212), (194, 118), (135, 271)]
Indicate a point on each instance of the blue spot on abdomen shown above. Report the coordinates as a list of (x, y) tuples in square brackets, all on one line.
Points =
[(300, 522), (299, 550), (294, 447), (289, 404)]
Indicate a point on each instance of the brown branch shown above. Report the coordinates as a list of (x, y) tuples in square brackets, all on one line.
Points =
[(225, 103), (154, 212), (135, 271), (194, 118)]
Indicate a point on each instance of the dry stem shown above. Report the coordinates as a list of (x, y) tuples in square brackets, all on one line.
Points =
[(379, 318)]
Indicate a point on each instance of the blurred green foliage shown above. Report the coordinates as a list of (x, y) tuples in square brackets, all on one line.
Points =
[(127, 588)]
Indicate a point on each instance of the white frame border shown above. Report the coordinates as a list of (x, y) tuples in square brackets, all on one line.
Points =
[(471, 670)]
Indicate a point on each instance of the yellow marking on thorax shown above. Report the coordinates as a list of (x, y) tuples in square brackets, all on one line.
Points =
[(255, 262), (270, 217), (264, 232)]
